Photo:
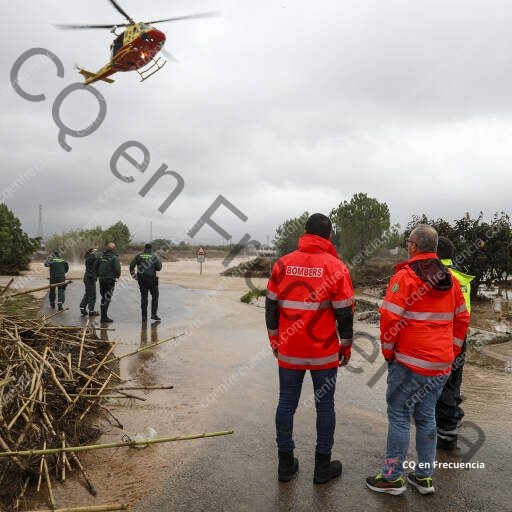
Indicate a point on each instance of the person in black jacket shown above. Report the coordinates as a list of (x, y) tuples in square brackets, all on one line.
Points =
[(108, 269), (147, 265), (89, 298), (58, 267)]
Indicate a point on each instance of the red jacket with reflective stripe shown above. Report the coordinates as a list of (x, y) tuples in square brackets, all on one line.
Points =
[(424, 318), (309, 285)]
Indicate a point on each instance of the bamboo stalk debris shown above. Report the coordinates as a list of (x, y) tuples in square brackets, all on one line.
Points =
[(7, 286), (92, 508), (24, 292), (141, 349), (40, 379), (55, 386), (92, 447)]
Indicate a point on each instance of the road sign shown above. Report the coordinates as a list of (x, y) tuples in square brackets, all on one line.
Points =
[(201, 256)]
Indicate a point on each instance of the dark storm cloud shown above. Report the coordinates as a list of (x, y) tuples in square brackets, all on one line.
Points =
[(279, 106)]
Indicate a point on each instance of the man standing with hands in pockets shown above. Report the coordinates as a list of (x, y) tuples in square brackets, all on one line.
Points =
[(309, 316)]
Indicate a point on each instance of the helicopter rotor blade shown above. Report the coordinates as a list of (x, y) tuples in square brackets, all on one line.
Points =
[(169, 55), (122, 11), (209, 14), (84, 26)]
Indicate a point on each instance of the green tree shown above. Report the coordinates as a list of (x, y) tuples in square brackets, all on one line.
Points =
[(118, 233), (482, 249), (16, 246), (288, 234), (359, 222), (74, 243)]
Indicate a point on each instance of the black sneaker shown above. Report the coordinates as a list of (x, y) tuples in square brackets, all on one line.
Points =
[(59, 306), (106, 320), (424, 485), (83, 311), (378, 484), (155, 317), (52, 305)]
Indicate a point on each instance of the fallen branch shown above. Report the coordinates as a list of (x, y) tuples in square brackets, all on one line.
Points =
[(92, 508), (145, 348), (86, 448), (7, 286), (40, 288)]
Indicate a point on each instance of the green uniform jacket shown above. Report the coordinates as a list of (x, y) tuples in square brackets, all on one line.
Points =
[(108, 265), (90, 265), (147, 263), (58, 267)]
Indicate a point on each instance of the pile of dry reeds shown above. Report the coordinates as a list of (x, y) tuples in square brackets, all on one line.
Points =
[(53, 384)]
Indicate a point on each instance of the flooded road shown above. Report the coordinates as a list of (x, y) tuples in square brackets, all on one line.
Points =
[(224, 378)]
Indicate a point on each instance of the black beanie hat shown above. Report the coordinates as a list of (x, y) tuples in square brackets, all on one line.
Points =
[(148, 246), (319, 224), (445, 248)]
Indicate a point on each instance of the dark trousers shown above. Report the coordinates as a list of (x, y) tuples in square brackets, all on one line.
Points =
[(449, 414), (107, 285), (89, 298), (290, 386), (148, 285), (61, 297)]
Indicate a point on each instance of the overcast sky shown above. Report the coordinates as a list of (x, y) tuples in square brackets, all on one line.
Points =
[(281, 106)]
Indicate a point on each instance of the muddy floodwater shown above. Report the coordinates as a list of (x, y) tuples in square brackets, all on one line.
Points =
[(225, 378)]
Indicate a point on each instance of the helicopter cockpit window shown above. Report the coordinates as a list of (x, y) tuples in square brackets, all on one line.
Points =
[(117, 44), (144, 26), (147, 38)]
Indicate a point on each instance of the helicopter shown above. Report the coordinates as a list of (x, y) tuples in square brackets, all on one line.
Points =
[(135, 46)]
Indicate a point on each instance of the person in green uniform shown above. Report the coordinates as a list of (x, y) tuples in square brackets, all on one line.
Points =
[(58, 267), (89, 298), (147, 264), (108, 269)]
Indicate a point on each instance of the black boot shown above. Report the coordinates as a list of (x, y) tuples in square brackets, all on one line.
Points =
[(104, 317), (288, 466), (325, 469)]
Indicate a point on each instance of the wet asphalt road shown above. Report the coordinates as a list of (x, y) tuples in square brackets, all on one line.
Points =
[(239, 472)]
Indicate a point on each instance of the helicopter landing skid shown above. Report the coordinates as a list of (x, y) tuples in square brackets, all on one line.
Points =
[(154, 66)]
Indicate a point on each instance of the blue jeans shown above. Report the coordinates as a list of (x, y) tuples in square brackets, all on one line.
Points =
[(409, 395), (290, 386)]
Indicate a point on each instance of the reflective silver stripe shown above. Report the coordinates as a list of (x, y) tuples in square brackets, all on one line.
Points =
[(337, 304), (427, 315), (299, 304), (273, 332), (346, 342), (309, 361), (461, 309), (392, 307), (420, 363), (388, 346), (271, 295), (457, 341)]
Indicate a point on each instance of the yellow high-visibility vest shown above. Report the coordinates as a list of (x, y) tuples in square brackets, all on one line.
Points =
[(464, 281)]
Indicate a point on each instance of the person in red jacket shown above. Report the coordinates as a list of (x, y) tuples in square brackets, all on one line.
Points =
[(423, 324), (309, 315)]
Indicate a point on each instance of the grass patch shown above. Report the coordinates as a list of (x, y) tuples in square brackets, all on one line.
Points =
[(25, 306), (251, 294)]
